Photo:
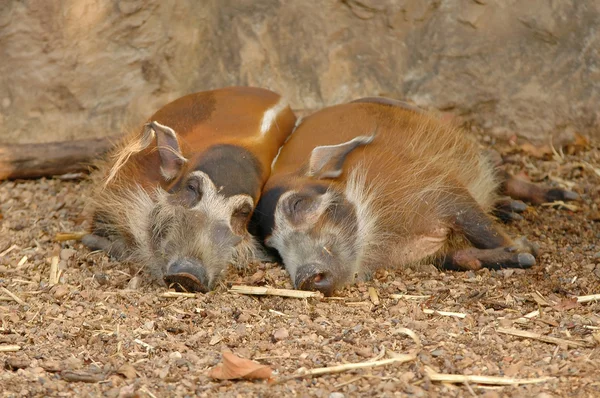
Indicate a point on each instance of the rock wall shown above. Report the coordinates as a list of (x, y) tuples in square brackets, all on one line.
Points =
[(87, 68)]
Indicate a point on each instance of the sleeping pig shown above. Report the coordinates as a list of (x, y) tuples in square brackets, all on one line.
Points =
[(177, 195), (379, 183)]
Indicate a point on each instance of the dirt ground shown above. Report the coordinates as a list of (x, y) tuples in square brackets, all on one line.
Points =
[(103, 332)]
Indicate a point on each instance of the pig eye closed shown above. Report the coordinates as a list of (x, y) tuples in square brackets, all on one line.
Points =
[(193, 186), (298, 204), (189, 194), (240, 218)]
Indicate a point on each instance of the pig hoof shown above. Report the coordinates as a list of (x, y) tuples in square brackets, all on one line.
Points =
[(555, 194), (526, 260), (184, 282), (507, 209)]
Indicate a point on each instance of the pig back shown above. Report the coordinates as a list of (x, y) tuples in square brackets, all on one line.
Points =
[(412, 166)]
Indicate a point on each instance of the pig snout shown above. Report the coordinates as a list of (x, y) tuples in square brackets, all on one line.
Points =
[(315, 277), (187, 275)]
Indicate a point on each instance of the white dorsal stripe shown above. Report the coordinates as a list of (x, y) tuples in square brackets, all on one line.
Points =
[(270, 115)]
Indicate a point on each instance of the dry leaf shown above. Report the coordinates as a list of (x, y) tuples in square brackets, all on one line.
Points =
[(539, 152), (514, 369), (566, 304), (216, 339), (234, 367), (580, 143), (540, 299), (128, 371), (256, 277)]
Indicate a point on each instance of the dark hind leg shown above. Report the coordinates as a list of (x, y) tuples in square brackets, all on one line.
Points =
[(516, 191), (507, 209), (493, 248), (532, 193)]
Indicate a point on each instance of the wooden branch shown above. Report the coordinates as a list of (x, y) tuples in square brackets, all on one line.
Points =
[(20, 161), (35, 160)]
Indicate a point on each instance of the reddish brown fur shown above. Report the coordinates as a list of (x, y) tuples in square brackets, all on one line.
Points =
[(137, 203), (202, 120), (418, 189)]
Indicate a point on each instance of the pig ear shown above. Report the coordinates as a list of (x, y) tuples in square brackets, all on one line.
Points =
[(327, 161), (171, 159)]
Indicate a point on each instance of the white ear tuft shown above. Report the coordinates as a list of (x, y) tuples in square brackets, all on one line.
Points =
[(168, 147), (327, 161)]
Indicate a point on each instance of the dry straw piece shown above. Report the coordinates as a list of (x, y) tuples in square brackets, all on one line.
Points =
[(587, 299), (372, 363), (65, 236), (541, 337), (495, 380), (409, 296), (267, 291), (12, 295), (444, 313), (9, 348), (373, 295), (177, 295), (54, 272)]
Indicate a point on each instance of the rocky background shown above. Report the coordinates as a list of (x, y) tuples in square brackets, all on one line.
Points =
[(88, 68)]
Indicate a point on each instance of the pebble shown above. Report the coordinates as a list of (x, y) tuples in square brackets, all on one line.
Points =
[(128, 371), (438, 352), (336, 395), (17, 363), (281, 334), (60, 291), (134, 283), (66, 254)]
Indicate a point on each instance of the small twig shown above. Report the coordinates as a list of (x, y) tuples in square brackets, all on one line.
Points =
[(10, 348), (400, 358), (5, 252), (144, 389), (54, 271), (540, 337), (357, 303), (532, 314), (560, 203), (587, 299), (373, 295), (272, 311), (12, 295), (466, 383), (147, 346), (347, 382), (64, 236), (267, 291), (409, 296), (22, 261), (539, 299), (396, 358), (435, 376), (177, 295), (85, 377), (444, 313)]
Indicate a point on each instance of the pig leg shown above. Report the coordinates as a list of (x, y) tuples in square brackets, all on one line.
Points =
[(115, 249), (521, 191), (532, 193), (492, 249), (507, 209)]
